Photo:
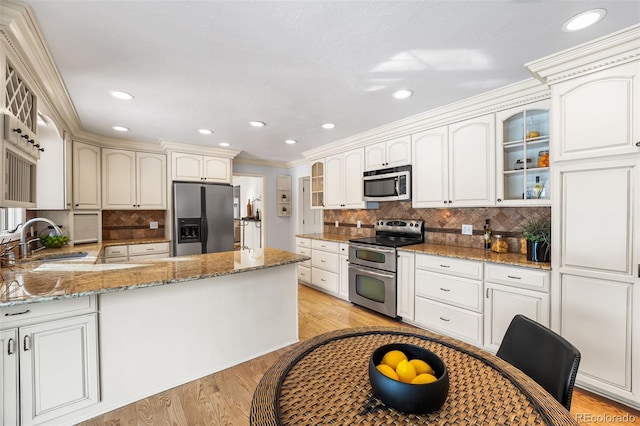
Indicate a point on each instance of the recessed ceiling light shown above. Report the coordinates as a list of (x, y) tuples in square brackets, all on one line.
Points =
[(584, 20), (257, 123), (290, 141), (328, 126), (121, 128), (121, 95), (205, 131), (225, 144), (402, 94)]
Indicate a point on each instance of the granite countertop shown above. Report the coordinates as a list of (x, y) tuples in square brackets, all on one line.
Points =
[(40, 281), (515, 259)]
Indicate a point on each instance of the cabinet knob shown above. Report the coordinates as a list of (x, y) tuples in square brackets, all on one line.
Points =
[(499, 200), (25, 136), (77, 205), (18, 130), (638, 144), (445, 201)]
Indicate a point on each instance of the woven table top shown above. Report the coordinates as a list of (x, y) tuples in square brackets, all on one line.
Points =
[(325, 380)]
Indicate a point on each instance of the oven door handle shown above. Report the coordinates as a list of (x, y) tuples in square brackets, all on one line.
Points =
[(379, 249), (372, 272)]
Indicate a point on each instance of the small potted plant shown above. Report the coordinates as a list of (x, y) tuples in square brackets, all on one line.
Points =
[(537, 232)]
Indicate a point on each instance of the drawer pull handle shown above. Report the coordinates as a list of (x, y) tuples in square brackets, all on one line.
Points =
[(322, 279), (445, 319), (444, 289), (149, 249), (445, 266), (513, 277), (323, 261), (13, 314), (26, 343), (11, 347)]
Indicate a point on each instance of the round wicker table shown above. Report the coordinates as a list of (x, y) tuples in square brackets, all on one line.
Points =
[(324, 381)]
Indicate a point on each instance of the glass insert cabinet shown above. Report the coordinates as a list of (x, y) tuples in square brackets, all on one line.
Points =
[(317, 185), (523, 155)]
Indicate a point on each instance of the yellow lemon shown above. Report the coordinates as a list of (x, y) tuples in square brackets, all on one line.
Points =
[(405, 371), (392, 358), (387, 371), (421, 366), (421, 379)]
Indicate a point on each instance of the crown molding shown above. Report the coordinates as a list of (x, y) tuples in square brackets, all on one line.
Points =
[(611, 50), (198, 149), (271, 163), (513, 95), (28, 52)]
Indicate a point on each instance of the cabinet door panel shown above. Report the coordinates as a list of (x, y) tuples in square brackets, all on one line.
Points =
[(151, 180), (596, 318), (59, 368), (375, 156), (584, 104), (596, 217), (86, 176), (333, 182), (118, 179), (352, 168), (9, 377), (430, 169), (186, 167), (399, 152), (472, 162), (217, 169)]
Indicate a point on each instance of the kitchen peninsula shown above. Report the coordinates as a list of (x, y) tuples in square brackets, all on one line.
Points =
[(162, 323)]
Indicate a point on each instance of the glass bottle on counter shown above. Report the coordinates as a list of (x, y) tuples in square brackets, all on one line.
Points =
[(249, 212), (487, 235)]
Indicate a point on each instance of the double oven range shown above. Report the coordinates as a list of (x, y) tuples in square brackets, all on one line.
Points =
[(373, 263)]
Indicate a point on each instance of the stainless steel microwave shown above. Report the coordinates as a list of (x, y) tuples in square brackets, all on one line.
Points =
[(387, 184)]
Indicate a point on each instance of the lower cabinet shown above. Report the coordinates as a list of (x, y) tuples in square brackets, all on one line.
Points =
[(343, 267), (303, 247), (49, 367), (135, 252), (510, 291), (406, 293), (324, 265)]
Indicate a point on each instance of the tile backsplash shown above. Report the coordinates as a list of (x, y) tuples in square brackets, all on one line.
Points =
[(131, 224), (442, 226)]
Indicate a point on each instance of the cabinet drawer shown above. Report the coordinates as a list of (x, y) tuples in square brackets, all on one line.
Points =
[(448, 265), (303, 242), (304, 273), (21, 315), (120, 259), (323, 245), (517, 277), (457, 291), (449, 320), (324, 260), (304, 251), (116, 251), (324, 279), (140, 249)]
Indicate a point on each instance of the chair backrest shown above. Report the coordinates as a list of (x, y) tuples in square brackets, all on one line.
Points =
[(543, 355)]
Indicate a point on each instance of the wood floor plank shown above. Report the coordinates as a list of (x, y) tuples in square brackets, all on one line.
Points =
[(224, 398)]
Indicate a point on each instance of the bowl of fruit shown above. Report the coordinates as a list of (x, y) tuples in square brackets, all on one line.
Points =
[(51, 238), (408, 378)]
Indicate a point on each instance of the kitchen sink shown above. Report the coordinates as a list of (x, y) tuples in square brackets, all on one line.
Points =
[(62, 256)]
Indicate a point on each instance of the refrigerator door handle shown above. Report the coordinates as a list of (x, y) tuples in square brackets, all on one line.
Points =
[(205, 234)]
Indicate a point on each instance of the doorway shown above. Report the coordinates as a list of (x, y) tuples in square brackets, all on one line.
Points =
[(310, 221), (252, 218)]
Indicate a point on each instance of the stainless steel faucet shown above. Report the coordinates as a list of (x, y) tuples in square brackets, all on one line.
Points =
[(24, 245)]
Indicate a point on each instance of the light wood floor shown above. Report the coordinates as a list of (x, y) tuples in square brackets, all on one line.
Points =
[(224, 398)]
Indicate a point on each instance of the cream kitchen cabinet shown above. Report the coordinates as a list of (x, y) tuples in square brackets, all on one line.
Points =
[(86, 176), (405, 276), (317, 184), (200, 168), (343, 180), (449, 296), (50, 361), (392, 153), (597, 114), (135, 252), (343, 287), (456, 166), (133, 180), (303, 247), (54, 177), (325, 271), (510, 291)]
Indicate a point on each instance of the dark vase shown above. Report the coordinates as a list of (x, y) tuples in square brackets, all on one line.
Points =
[(538, 251)]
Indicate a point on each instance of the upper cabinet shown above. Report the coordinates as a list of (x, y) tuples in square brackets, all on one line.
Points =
[(522, 156), (86, 176), (317, 185), (392, 153), (200, 168), (54, 170), (454, 166), (582, 104), (133, 180), (343, 180)]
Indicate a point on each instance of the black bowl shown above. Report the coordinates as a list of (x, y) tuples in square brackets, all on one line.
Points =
[(405, 397)]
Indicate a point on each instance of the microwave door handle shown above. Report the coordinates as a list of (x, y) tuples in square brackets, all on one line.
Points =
[(397, 186)]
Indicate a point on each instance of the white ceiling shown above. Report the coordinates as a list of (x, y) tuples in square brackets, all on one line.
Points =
[(294, 64)]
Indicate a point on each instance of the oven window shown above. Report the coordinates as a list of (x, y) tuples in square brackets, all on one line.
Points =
[(371, 256), (370, 288), (380, 187)]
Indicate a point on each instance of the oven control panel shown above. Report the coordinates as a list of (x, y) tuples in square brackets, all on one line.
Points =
[(400, 226)]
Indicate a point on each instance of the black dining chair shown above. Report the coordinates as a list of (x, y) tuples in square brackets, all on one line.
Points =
[(543, 355)]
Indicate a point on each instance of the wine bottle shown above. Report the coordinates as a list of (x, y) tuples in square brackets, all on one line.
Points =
[(538, 188), (487, 235)]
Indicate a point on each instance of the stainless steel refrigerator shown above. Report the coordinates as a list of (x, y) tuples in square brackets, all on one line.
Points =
[(203, 218)]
